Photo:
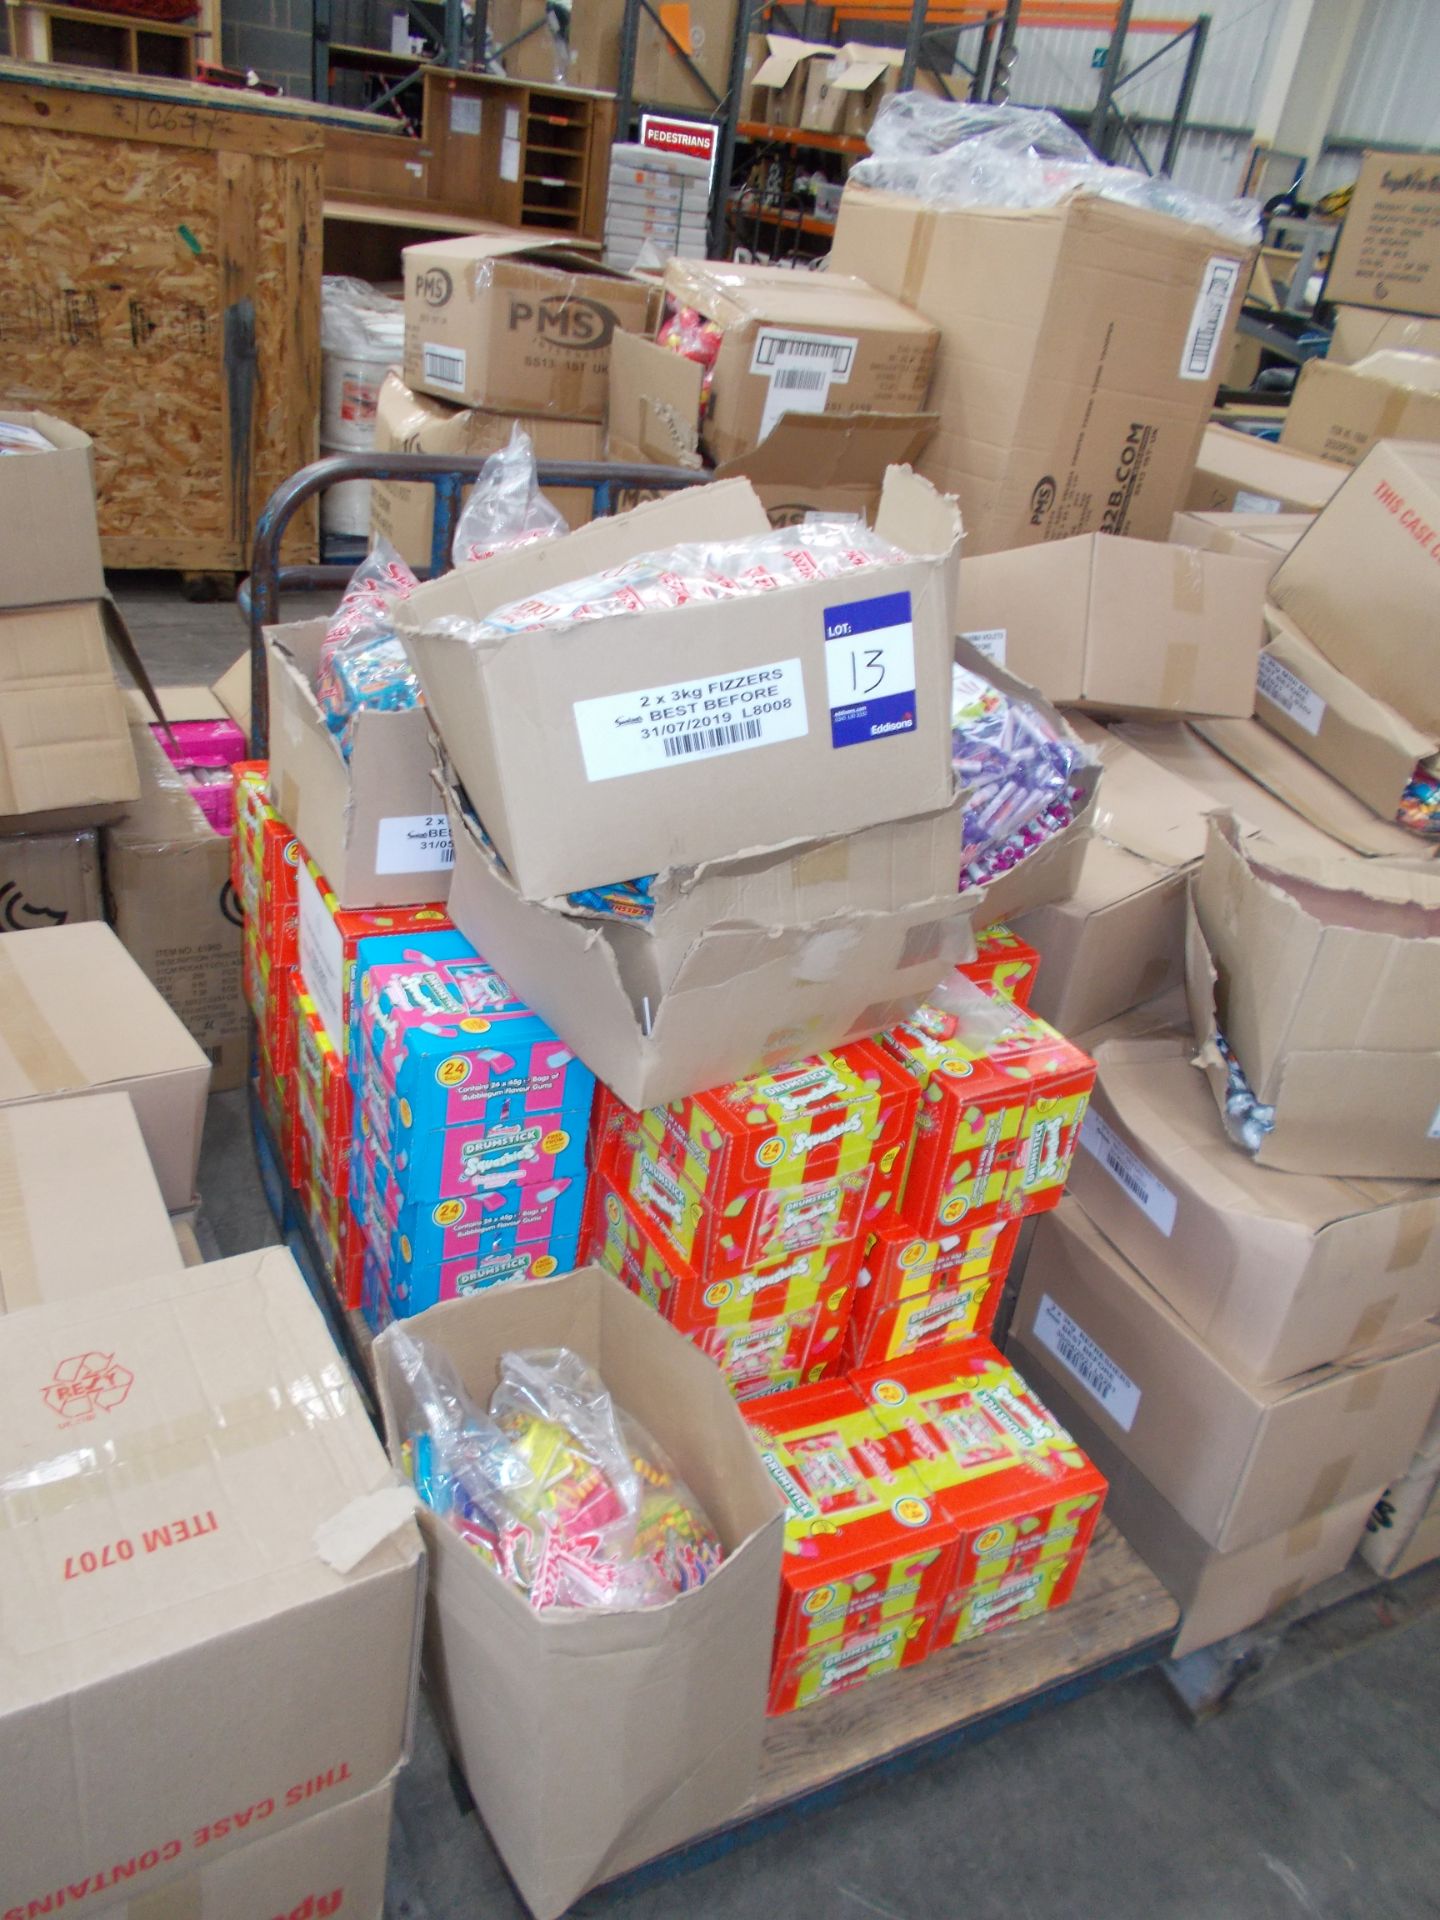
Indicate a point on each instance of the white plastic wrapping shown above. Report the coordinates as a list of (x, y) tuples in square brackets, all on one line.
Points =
[(506, 507)]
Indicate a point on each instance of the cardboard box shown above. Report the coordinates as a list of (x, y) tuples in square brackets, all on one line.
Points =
[(1388, 253), (167, 872), (1236, 473), (47, 508), (1360, 584), (51, 1249), (515, 323), (843, 92), (1403, 1530), (1369, 748), (370, 821), (405, 422), (1338, 413), (1257, 536), (1422, 1544), (1087, 418), (1119, 938), (673, 1697), (778, 84), (800, 343), (703, 29), (1122, 624), (64, 742), (1324, 977), (545, 727), (1238, 1462), (1363, 330), (78, 1016), (49, 879), (244, 1521), (333, 1863), (1277, 1273), (819, 944)]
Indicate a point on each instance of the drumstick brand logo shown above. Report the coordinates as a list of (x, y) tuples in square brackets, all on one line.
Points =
[(565, 320), (86, 1384)]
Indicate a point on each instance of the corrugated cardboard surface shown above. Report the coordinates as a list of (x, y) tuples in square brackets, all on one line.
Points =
[(1078, 419), (1236, 473), (507, 709), (167, 872), (207, 1509), (1338, 413), (639, 1729), (331, 1864), (1324, 977), (1258, 536), (1388, 253), (51, 550), (406, 422), (1360, 584), (49, 879), (1124, 625), (524, 323), (50, 1247), (64, 743), (368, 822), (1276, 1272), (78, 1016), (1362, 330), (1239, 1462)]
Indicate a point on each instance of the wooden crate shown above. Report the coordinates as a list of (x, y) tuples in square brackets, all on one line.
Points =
[(160, 287)]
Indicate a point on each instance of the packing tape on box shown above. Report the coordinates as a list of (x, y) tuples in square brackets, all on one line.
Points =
[(1371, 1324), (1177, 678), (913, 277), (181, 1900), (824, 865), (1305, 1537), (1187, 581), (27, 1035), (1325, 1493), (19, 1282), (1415, 1227), (1392, 413)]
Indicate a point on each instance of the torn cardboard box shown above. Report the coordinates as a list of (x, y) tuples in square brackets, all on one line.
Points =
[(1117, 624), (1256, 536), (369, 822), (64, 742), (1364, 330), (1388, 253), (1236, 473), (673, 1697), (746, 963), (778, 83), (799, 343), (1338, 413), (1087, 417), (1239, 1462), (1277, 1273), (50, 1248), (51, 552), (1360, 584), (516, 323), (587, 761), (1370, 749), (403, 511), (1323, 975), (241, 1519), (49, 879), (78, 1016)]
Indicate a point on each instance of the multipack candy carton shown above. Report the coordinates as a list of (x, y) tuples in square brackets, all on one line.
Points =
[(1004, 965), (914, 1293)]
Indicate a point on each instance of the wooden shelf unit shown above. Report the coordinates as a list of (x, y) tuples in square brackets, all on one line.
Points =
[(114, 42)]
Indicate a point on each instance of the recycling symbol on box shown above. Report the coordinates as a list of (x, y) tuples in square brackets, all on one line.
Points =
[(87, 1384)]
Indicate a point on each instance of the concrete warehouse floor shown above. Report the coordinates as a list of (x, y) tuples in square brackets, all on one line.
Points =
[(1319, 1800)]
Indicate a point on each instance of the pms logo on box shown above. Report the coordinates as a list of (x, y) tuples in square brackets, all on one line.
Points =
[(870, 669), (564, 320)]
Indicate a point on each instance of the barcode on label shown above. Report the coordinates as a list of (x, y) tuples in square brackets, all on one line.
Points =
[(445, 366), (810, 379), (775, 348), (1151, 1195), (1212, 303), (711, 738), (1286, 690), (1089, 1363)]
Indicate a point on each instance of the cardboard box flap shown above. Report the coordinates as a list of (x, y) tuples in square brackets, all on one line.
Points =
[(63, 738), (861, 66), (235, 1349), (232, 690), (565, 255), (832, 449), (654, 405), (1142, 806), (784, 56), (1288, 644), (916, 517), (1417, 372), (739, 295)]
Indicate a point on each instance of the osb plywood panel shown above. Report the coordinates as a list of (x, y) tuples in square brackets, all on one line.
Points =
[(159, 287)]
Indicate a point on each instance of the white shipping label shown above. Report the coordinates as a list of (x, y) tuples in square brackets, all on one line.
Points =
[(666, 726), (464, 113), (322, 957), (990, 642), (509, 159), (414, 843), (1125, 1167), (800, 369), (1090, 1364), (1207, 322), (1255, 502), (1288, 691), (870, 668), (512, 123), (1432, 1132), (444, 366)]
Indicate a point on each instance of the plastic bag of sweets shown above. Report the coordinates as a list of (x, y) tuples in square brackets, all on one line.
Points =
[(565, 1495), (1018, 775), (362, 663), (506, 508)]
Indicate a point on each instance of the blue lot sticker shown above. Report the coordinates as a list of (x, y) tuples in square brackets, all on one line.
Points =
[(870, 669)]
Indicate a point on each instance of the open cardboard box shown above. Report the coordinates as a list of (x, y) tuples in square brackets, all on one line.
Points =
[(1338, 413), (369, 822), (632, 1731), (589, 760), (51, 550), (1256, 536), (1236, 473), (1323, 975)]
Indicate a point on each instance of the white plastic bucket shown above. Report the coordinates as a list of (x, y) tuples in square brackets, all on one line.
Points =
[(345, 510), (362, 333)]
